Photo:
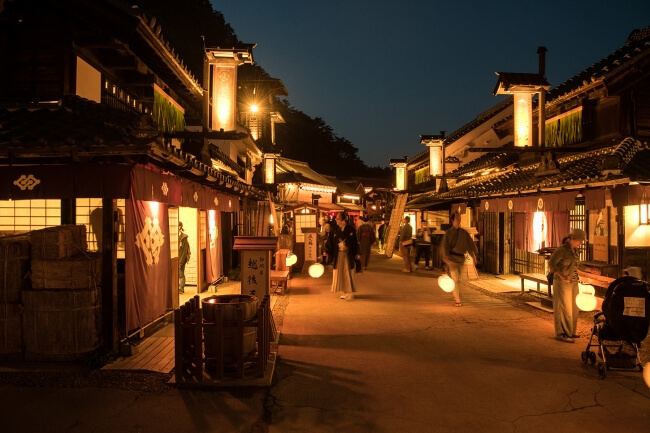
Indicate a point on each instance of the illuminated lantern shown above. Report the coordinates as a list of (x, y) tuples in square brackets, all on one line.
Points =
[(446, 283), (586, 299), (316, 270), (292, 259), (646, 374)]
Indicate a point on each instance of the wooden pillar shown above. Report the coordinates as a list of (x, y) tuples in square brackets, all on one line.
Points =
[(68, 211), (109, 274), (620, 230)]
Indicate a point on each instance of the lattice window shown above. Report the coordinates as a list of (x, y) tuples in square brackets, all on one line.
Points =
[(19, 216), (89, 212), (577, 219)]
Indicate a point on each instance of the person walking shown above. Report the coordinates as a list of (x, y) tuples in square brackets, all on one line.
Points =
[(366, 237), (381, 237), (405, 241), (184, 254), (564, 265), (455, 243), (423, 239), (322, 238), (287, 228), (343, 249)]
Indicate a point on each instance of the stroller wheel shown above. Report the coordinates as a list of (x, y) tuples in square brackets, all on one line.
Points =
[(592, 357), (584, 356), (602, 370)]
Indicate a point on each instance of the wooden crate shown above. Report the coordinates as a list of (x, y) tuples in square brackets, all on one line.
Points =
[(11, 332), (61, 325), (58, 242), (80, 272), (14, 268)]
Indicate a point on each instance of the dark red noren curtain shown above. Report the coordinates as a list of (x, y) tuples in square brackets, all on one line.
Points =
[(148, 268)]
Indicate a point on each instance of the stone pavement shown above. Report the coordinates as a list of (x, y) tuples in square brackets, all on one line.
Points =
[(398, 358)]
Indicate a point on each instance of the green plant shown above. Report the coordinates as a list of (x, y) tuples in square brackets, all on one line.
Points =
[(234, 274)]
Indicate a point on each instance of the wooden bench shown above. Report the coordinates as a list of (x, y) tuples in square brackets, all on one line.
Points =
[(537, 278), (279, 281)]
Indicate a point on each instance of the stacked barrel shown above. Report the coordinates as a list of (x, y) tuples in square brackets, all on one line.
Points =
[(14, 268), (62, 308)]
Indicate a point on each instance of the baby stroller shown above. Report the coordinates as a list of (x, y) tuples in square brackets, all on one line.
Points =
[(621, 326)]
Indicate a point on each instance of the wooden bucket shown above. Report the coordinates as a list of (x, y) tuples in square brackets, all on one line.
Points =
[(61, 325), (14, 267), (11, 332)]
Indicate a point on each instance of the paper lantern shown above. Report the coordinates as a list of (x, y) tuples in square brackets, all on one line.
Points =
[(446, 283), (316, 270), (586, 299), (646, 374), (292, 259)]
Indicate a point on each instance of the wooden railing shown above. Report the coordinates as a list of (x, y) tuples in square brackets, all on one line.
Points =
[(190, 338)]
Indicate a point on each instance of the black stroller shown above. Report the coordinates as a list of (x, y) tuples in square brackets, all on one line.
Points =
[(621, 327)]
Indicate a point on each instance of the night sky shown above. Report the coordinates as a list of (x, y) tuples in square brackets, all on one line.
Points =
[(381, 72)]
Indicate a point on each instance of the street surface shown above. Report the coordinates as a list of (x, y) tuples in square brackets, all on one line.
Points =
[(398, 358)]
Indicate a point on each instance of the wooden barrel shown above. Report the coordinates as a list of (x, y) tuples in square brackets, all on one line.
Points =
[(61, 325), (229, 304), (11, 332), (14, 267)]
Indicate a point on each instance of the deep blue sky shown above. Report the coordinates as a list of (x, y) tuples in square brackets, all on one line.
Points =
[(381, 72)]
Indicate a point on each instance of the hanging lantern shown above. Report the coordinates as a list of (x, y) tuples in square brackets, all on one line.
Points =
[(586, 299), (446, 283), (292, 259), (316, 270), (646, 374)]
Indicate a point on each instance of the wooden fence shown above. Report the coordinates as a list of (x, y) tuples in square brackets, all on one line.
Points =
[(191, 331)]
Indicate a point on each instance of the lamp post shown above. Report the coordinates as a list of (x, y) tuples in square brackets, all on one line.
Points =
[(400, 173), (436, 144)]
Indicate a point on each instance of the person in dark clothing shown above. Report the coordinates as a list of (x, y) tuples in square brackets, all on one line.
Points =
[(366, 236), (381, 237), (423, 238), (183, 256)]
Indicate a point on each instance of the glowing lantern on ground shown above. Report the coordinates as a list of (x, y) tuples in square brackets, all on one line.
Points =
[(446, 283), (586, 299), (292, 259), (316, 270), (646, 374)]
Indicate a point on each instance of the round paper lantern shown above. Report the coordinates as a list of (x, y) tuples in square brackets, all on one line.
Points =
[(586, 299), (316, 270), (292, 259), (646, 374), (446, 283)]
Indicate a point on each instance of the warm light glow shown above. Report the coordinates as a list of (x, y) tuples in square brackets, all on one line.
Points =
[(316, 270), (291, 260), (254, 108), (523, 119), (400, 183), (586, 299), (350, 197), (212, 301), (435, 160), (269, 170), (539, 230), (271, 219), (446, 283), (643, 214), (646, 374), (154, 206)]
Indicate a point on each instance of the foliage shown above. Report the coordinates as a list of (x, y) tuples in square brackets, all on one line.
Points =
[(167, 116), (234, 274), (566, 130)]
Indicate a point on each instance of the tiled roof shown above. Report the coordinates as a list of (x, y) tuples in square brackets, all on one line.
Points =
[(637, 46), (486, 161), (71, 124), (574, 171), (289, 170)]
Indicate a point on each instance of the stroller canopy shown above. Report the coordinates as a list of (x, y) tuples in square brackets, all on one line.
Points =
[(627, 308)]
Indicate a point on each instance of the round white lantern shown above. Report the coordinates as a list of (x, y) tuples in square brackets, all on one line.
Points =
[(646, 374), (292, 259), (446, 283), (586, 299), (316, 270)]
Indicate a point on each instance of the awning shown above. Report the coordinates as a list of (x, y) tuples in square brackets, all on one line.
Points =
[(628, 195), (546, 202), (330, 207), (351, 207)]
